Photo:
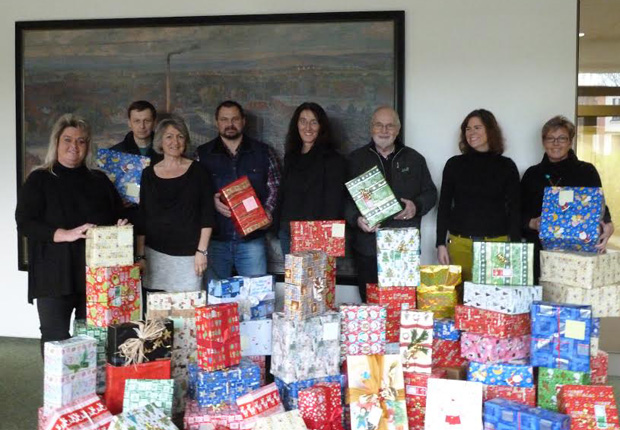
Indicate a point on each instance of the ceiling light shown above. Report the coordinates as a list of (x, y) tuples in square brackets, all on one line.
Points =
[(581, 34)]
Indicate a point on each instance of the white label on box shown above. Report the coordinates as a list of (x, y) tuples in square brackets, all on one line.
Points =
[(338, 230), (575, 330), (125, 236), (249, 204), (565, 197), (244, 342), (375, 416), (331, 331), (601, 416), (132, 190)]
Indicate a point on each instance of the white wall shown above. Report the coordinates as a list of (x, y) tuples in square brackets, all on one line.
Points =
[(516, 58)]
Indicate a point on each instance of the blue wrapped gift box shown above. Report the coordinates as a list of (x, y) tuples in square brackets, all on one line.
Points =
[(561, 336), (445, 329), (289, 393), (501, 414), (125, 172), (225, 288), (510, 374), (570, 218), (222, 387)]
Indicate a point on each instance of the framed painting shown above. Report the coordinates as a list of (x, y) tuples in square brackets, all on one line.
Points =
[(349, 63)]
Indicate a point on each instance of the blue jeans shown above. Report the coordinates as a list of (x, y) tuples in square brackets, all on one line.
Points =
[(249, 258), (285, 241)]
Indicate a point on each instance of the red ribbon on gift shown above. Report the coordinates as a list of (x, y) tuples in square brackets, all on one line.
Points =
[(334, 422)]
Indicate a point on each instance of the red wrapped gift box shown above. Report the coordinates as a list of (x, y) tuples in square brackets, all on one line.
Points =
[(394, 298), (326, 236), (117, 375), (589, 407), (226, 417), (217, 336), (263, 402), (320, 406), (248, 214), (599, 368), (113, 295), (447, 353), (261, 361), (415, 396), (523, 395), (87, 413), (481, 321)]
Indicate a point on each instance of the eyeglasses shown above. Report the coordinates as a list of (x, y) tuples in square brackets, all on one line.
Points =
[(559, 139), (380, 126)]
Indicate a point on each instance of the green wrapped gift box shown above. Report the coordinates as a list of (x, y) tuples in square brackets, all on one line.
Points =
[(503, 263), (373, 196), (549, 382)]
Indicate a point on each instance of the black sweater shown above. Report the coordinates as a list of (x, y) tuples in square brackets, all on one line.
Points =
[(570, 172), (173, 211), (479, 197), (66, 199), (312, 187)]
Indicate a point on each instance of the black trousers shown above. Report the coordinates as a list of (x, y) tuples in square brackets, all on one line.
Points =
[(55, 316), (366, 267)]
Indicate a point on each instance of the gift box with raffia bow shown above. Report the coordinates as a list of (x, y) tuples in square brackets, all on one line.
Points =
[(376, 392), (139, 342)]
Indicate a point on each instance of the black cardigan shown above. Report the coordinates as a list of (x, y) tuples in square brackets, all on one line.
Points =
[(64, 199)]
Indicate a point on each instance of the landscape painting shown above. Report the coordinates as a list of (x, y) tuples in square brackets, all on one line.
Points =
[(349, 63)]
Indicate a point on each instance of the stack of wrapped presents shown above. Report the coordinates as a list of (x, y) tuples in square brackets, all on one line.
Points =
[(426, 351)]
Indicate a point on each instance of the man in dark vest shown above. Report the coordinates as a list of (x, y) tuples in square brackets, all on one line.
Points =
[(228, 157)]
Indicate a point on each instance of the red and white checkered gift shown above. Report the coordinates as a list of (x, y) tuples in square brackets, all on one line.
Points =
[(260, 403), (321, 406)]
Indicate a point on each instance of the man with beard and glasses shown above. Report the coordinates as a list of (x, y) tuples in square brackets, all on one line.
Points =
[(228, 157)]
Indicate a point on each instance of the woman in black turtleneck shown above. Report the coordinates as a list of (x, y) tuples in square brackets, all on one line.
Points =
[(479, 193), (312, 186), (559, 167), (56, 206)]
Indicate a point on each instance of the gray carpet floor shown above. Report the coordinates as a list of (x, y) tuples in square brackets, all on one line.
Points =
[(21, 385)]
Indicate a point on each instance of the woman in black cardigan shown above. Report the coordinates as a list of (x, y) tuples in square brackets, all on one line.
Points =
[(559, 167), (312, 186), (56, 206)]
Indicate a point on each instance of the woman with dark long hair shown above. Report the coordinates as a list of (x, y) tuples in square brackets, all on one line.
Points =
[(312, 186), (480, 197)]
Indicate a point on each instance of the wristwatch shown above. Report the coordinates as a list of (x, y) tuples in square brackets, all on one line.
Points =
[(205, 252)]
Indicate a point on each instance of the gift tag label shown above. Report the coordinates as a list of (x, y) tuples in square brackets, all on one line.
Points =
[(331, 331), (565, 197), (125, 235), (338, 230), (249, 204), (375, 416), (132, 190), (601, 416), (575, 330), (502, 273)]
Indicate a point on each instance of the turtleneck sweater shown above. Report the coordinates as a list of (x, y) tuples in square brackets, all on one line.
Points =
[(570, 172), (479, 197)]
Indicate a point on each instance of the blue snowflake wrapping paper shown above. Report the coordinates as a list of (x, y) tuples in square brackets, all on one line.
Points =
[(561, 336), (512, 375), (222, 387), (125, 172), (501, 414), (570, 218), (289, 393), (445, 329)]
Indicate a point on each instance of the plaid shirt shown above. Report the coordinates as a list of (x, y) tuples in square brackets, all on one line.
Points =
[(273, 181)]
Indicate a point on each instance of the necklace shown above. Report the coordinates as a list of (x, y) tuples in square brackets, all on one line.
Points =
[(553, 184)]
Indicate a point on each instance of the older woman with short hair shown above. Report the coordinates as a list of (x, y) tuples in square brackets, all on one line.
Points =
[(176, 213), (57, 204), (479, 198), (559, 167)]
